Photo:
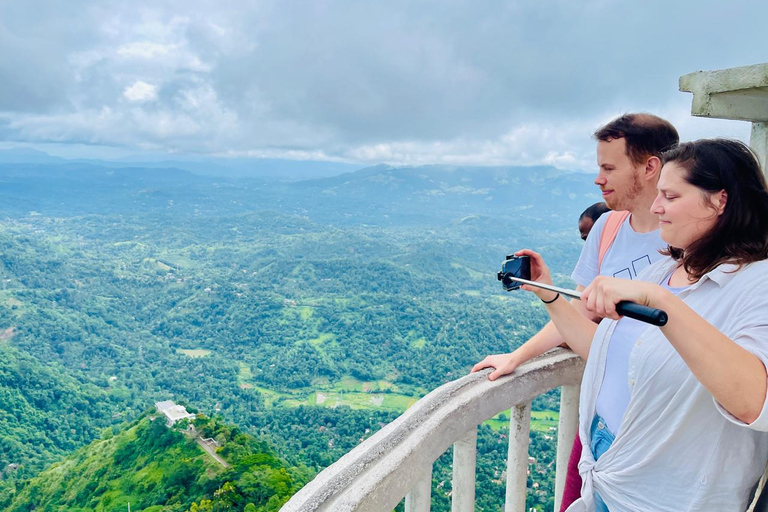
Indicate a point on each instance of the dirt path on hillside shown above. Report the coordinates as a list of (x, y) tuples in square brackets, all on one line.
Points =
[(208, 448)]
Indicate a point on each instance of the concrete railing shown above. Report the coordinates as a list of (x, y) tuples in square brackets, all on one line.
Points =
[(396, 462)]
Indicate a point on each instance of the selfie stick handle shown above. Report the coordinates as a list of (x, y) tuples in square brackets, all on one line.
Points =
[(645, 314)]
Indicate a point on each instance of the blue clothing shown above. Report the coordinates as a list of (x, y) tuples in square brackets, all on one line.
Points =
[(600, 440)]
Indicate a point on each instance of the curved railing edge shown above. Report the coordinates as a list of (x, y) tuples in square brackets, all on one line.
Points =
[(424, 432)]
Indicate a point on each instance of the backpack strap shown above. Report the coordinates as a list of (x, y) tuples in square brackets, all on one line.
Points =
[(608, 235)]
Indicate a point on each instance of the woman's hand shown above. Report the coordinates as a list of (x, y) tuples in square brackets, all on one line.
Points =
[(602, 295), (539, 273)]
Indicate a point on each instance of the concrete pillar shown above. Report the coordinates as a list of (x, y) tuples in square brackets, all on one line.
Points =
[(566, 432), (517, 458), (420, 497), (758, 140), (464, 463)]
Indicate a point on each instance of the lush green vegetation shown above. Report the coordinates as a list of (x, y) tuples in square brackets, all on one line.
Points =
[(45, 413), (156, 468), (283, 308)]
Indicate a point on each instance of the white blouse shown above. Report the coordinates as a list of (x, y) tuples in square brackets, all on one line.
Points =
[(677, 448)]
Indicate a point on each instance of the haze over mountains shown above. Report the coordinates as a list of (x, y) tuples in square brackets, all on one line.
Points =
[(33, 181), (290, 170)]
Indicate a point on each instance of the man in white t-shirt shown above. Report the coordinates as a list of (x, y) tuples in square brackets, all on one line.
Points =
[(628, 158)]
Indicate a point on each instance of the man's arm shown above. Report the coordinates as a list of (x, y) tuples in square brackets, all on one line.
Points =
[(546, 339)]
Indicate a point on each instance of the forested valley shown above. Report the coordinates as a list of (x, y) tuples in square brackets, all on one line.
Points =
[(297, 318)]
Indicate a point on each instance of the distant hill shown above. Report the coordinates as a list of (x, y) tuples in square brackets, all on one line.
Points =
[(155, 468), (495, 187), (379, 195), (30, 156), (270, 168)]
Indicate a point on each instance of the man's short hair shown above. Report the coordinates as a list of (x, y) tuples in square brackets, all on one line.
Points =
[(646, 135)]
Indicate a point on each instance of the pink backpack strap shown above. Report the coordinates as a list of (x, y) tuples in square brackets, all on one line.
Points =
[(608, 235)]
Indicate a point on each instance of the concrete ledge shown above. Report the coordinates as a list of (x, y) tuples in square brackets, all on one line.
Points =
[(736, 93), (379, 472)]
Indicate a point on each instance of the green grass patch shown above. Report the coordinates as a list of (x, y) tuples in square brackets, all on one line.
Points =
[(419, 343), (16, 306), (305, 312), (350, 392), (348, 383), (194, 353), (541, 421), (360, 400), (321, 339), (473, 274), (544, 421), (274, 398), (244, 373), (178, 261)]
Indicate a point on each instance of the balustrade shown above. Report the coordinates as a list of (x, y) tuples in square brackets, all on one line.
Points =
[(396, 462)]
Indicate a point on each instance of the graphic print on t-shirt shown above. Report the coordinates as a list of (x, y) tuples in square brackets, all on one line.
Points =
[(637, 266)]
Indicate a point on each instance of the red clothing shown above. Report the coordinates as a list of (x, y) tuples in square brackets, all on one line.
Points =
[(572, 490)]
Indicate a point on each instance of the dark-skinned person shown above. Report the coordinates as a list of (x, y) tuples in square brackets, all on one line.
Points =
[(675, 418), (589, 216)]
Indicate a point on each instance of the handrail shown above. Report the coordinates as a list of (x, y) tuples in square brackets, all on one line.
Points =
[(378, 473)]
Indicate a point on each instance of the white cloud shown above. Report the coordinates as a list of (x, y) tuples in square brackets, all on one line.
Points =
[(511, 82), (144, 50), (140, 91)]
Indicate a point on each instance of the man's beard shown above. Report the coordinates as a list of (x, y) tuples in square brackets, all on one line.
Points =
[(628, 199)]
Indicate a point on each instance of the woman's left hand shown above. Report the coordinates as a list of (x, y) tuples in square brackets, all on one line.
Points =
[(602, 295)]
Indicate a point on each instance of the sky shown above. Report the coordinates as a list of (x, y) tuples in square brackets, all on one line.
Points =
[(402, 82)]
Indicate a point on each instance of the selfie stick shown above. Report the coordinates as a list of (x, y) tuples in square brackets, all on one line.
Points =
[(645, 314)]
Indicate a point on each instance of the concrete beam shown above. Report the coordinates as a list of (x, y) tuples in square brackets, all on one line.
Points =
[(758, 140), (464, 463), (517, 458), (567, 431), (735, 93)]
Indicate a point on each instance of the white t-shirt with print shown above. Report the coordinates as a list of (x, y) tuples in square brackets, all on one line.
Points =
[(630, 253)]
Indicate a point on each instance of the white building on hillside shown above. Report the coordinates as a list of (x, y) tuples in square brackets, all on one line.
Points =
[(173, 412)]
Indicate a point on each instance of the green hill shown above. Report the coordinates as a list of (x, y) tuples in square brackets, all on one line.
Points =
[(156, 468), (45, 413)]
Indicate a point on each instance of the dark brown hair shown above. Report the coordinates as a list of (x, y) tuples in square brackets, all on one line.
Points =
[(740, 234), (645, 135), (594, 212)]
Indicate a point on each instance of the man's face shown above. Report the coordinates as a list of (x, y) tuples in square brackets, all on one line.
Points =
[(618, 177)]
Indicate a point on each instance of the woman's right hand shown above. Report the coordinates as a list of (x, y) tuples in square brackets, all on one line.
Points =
[(539, 273)]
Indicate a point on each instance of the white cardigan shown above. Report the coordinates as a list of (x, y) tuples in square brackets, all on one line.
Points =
[(677, 449)]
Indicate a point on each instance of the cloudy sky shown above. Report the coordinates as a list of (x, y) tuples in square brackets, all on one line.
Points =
[(405, 82)]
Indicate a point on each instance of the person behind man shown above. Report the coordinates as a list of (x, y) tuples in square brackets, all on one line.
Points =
[(589, 216), (628, 157)]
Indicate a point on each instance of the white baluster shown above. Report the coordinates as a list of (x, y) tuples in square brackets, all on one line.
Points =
[(566, 431), (517, 458), (463, 483), (420, 497)]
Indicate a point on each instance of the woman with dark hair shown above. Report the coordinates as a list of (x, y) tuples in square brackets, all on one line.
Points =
[(675, 418)]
